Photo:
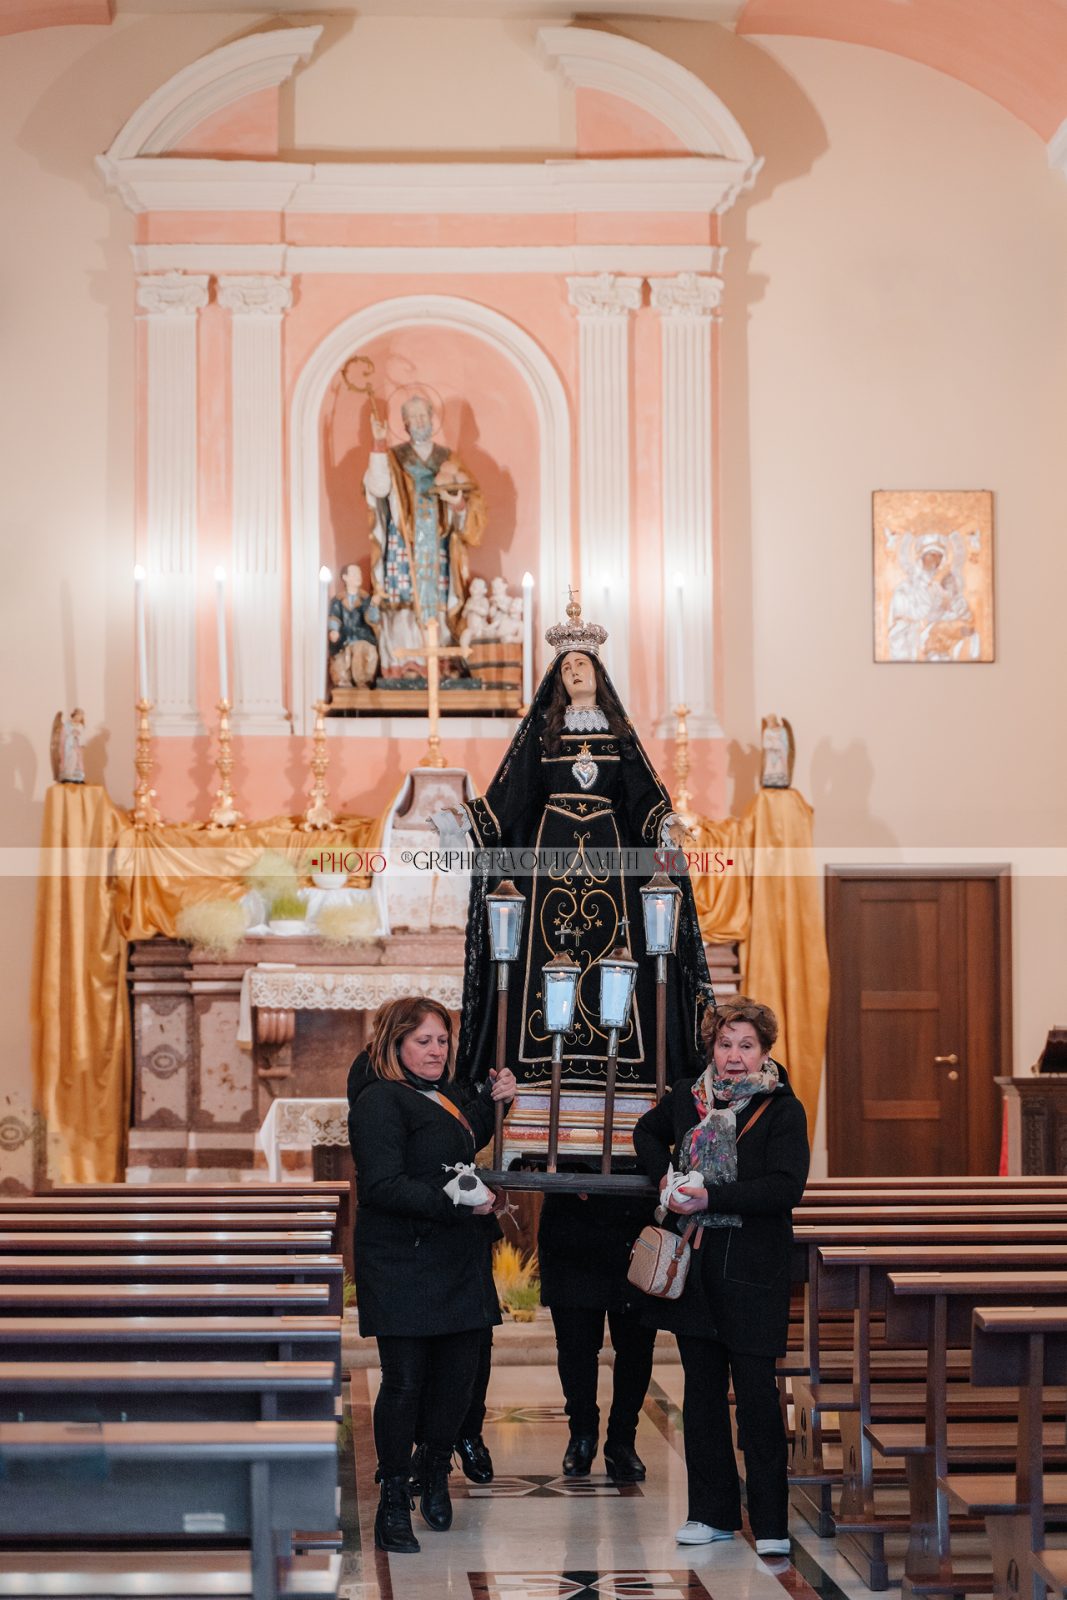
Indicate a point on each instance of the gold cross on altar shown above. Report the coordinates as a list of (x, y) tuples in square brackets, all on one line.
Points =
[(433, 653)]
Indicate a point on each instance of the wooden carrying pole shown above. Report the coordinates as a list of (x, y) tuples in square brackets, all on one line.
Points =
[(501, 1057)]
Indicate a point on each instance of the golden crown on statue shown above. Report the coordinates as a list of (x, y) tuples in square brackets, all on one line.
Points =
[(576, 634)]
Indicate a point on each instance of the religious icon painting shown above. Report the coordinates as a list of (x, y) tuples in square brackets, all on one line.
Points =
[(933, 575)]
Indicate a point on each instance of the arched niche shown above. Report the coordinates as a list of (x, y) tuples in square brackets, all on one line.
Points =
[(532, 479)]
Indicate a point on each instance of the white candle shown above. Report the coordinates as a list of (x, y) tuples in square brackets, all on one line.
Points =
[(325, 577), (679, 639), (527, 637), (220, 624), (142, 649)]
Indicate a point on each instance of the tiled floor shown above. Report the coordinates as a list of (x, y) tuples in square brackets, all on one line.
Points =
[(536, 1537)]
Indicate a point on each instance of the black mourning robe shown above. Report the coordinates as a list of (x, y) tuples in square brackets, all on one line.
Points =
[(536, 799)]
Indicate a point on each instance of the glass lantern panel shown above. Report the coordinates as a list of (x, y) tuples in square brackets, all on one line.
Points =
[(661, 910), (616, 991), (560, 989), (505, 928)]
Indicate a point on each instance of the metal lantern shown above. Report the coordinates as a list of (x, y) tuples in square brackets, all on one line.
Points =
[(660, 900), (559, 992), (618, 975), (507, 910)]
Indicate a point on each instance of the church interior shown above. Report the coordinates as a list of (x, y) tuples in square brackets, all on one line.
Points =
[(478, 476)]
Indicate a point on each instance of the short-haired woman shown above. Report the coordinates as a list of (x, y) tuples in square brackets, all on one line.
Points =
[(739, 1134), (423, 1262)]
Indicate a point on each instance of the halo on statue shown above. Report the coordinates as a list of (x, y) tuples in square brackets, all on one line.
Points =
[(399, 397)]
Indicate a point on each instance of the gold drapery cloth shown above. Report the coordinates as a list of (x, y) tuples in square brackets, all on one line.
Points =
[(136, 882), (771, 900), (159, 871), (81, 1045)]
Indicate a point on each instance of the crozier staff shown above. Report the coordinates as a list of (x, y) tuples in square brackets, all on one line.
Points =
[(423, 1248), (737, 1136)]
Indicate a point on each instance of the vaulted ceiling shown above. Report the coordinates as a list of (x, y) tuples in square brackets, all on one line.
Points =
[(1014, 51)]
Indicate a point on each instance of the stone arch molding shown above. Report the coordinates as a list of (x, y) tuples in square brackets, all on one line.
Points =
[(550, 401), (207, 86), (589, 59)]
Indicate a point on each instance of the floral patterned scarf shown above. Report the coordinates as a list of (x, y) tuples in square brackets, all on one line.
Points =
[(712, 1146)]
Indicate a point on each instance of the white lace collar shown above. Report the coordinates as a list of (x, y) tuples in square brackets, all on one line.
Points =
[(585, 720)]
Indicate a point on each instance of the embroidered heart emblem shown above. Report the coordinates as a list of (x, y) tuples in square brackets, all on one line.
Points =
[(584, 768)]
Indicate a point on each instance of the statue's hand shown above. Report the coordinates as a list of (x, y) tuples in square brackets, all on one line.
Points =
[(452, 827), (379, 431), (673, 832)]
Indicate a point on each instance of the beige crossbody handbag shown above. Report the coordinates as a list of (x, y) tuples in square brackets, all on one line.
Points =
[(659, 1260)]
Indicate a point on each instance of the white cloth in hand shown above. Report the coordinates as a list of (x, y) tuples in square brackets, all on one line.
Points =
[(672, 1183), (466, 1188)]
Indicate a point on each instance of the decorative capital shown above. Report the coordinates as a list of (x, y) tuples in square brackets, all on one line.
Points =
[(690, 294), (256, 295), (605, 295), (172, 294)]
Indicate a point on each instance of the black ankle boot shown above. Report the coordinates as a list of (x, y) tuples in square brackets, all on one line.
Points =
[(392, 1523), (475, 1459), (579, 1456), (622, 1462), (434, 1502)]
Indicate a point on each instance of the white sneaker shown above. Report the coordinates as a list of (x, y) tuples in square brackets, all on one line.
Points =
[(701, 1533), (772, 1547)]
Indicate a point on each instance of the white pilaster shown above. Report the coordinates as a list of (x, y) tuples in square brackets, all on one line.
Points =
[(257, 306), (168, 304), (604, 304), (687, 305)]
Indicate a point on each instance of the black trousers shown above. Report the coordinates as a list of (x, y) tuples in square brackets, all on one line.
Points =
[(472, 1423), (579, 1336), (714, 1491), (426, 1385)]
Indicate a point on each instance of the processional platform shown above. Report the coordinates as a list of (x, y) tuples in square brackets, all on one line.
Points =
[(580, 1142)]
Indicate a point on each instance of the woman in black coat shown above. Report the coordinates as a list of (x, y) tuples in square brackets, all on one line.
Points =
[(423, 1262), (740, 1134)]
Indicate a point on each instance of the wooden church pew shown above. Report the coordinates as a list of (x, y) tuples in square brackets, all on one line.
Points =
[(315, 1190), (861, 1280), (146, 1198), (171, 1221), (161, 1391), (258, 1482), (160, 1575), (814, 1479), (74, 1241), (174, 1299), (152, 1337), (1026, 1345), (220, 1272)]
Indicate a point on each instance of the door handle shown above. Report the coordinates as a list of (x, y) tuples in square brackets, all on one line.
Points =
[(946, 1061)]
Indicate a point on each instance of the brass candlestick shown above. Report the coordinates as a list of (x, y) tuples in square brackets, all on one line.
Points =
[(224, 813), (682, 802), (145, 814), (318, 813)]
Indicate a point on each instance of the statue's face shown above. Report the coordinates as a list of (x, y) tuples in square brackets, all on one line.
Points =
[(418, 419), (576, 670), (352, 578)]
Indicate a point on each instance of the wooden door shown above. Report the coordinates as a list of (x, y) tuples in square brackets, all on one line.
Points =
[(920, 1020)]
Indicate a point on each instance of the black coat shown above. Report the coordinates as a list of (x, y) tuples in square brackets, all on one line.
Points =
[(739, 1279), (423, 1265), (583, 1250)]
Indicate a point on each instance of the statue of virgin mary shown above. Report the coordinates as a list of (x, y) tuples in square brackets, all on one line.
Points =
[(576, 781)]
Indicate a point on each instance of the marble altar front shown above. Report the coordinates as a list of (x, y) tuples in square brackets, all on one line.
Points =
[(216, 1041)]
